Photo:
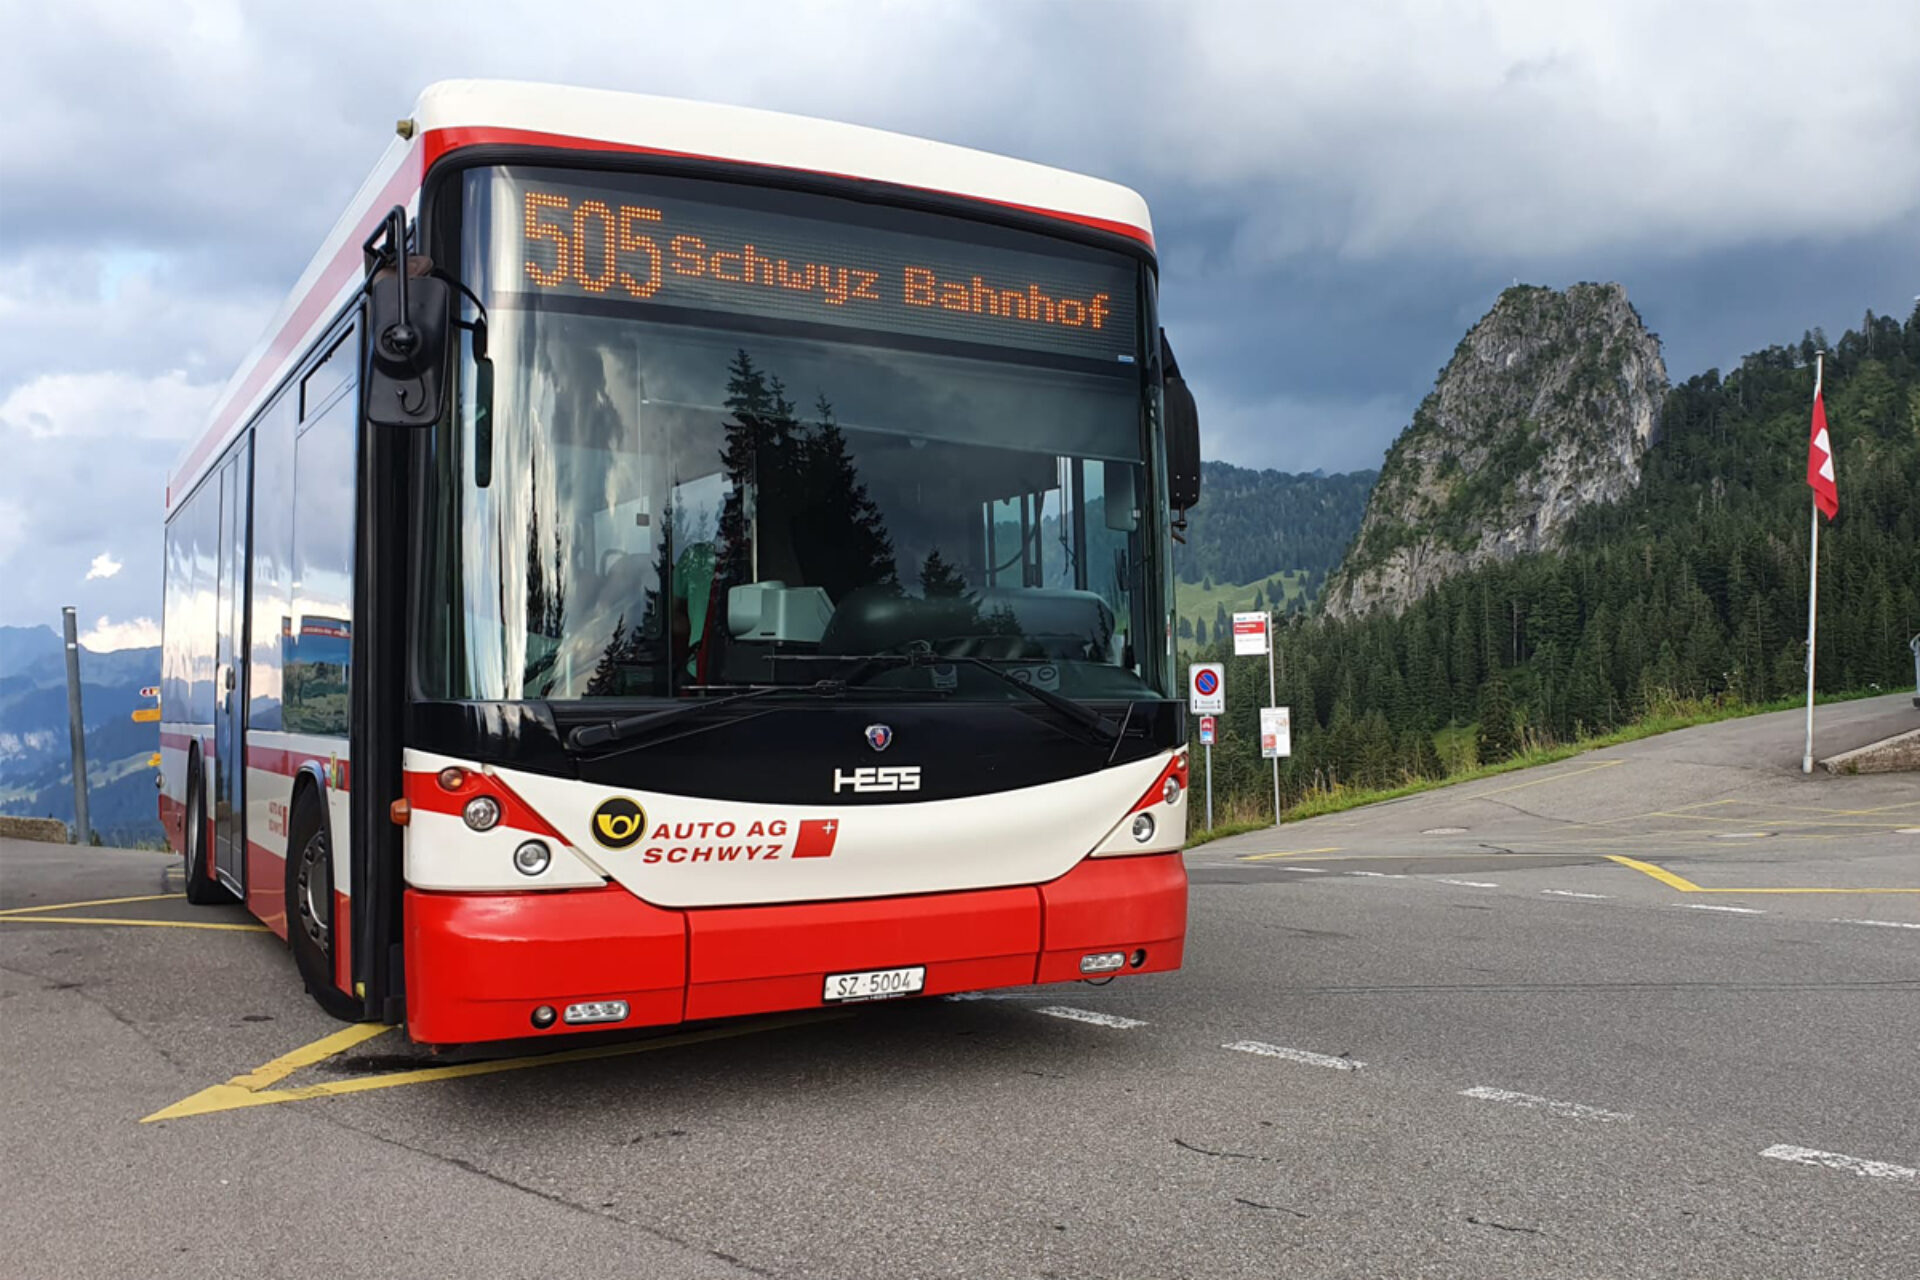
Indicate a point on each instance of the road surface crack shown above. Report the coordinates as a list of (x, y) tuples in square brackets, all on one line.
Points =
[(1184, 1145), (1502, 1226), (1277, 1208)]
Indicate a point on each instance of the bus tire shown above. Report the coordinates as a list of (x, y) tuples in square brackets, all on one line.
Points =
[(310, 905), (202, 889)]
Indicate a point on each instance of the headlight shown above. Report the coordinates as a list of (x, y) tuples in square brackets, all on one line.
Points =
[(482, 813), (1143, 827), (1171, 792), (531, 858)]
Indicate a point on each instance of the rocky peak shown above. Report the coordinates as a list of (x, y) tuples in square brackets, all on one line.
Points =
[(1546, 408)]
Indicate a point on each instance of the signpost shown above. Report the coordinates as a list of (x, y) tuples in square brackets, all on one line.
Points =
[(1253, 634), (1207, 698), (1206, 740)]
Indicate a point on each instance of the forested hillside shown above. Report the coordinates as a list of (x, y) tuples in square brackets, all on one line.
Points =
[(1694, 586), (1251, 525)]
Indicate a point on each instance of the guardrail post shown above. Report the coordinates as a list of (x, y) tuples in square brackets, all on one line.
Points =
[(77, 730)]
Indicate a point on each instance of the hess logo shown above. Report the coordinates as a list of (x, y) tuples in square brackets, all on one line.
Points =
[(898, 778), (618, 823)]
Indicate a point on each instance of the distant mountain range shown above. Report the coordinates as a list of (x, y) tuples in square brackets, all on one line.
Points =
[(35, 768)]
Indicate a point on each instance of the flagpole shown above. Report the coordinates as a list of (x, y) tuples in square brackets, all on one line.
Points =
[(1813, 585)]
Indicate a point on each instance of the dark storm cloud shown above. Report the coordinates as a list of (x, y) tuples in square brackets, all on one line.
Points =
[(1338, 191)]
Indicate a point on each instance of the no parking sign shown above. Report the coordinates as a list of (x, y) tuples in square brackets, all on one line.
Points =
[(1206, 688)]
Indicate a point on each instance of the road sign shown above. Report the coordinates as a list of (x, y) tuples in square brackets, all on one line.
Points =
[(150, 691), (146, 715), (1249, 634), (1276, 732), (1206, 731), (1206, 688)]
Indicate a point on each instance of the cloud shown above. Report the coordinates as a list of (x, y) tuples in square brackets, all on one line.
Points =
[(1339, 190), (135, 633), (103, 566)]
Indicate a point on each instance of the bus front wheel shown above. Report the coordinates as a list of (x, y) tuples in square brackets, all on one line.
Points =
[(310, 906)]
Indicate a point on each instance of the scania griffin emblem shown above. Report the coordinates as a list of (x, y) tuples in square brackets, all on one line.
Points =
[(879, 736)]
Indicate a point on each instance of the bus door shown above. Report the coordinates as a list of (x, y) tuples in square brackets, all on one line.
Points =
[(230, 672)]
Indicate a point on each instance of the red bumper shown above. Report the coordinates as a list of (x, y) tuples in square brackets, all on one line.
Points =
[(478, 964)]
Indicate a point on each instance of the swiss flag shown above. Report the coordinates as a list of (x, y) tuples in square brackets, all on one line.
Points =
[(816, 838), (1820, 462)]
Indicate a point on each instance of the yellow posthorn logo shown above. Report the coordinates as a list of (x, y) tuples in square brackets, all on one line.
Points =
[(619, 822)]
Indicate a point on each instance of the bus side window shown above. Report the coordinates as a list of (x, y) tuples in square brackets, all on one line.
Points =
[(317, 640)]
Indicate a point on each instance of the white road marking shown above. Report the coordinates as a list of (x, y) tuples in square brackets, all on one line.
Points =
[(1846, 1164), (1378, 875), (1882, 924), (1571, 1110), (1732, 911), (1113, 1020), (1305, 871), (1470, 884), (1444, 831), (1742, 835), (985, 995), (1569, 893), (1294, 1055)]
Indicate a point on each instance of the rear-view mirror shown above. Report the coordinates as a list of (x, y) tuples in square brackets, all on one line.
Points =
[(1183, 434)]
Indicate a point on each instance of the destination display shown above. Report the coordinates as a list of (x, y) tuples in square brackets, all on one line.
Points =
[(591, 242)]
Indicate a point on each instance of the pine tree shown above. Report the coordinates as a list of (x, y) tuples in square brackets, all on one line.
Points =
[(1495, 738)]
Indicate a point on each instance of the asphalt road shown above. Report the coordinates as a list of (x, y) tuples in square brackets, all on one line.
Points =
[(1587, 1020)]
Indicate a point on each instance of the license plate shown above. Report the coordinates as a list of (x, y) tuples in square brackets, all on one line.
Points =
[(875, 984)]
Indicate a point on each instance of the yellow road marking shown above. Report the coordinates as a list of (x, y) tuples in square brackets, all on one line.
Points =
[(307, 1054), (1286, 853), (1685, 885), (238, 1093), (1521, 786), (141, 924), (91, 902), (1661, 874)]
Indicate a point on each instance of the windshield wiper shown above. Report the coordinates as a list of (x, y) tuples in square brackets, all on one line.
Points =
[(596, 735), (1078, 712)]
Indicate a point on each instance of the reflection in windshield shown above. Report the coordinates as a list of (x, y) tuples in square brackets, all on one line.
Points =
[(665, 516)]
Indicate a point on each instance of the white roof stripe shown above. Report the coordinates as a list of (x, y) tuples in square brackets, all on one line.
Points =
[(752, 136)]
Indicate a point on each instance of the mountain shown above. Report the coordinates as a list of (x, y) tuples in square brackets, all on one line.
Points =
[(1252, 525), (35, 765), (1689, 590), (1545, 409)]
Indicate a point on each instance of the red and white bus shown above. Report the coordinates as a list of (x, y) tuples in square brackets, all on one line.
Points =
[(726, 569)]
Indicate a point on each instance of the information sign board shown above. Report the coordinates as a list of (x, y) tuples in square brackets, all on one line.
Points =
[(1249, 634), (1276, 732)]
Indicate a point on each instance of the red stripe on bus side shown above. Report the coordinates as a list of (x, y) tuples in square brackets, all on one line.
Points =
[(289, 763)]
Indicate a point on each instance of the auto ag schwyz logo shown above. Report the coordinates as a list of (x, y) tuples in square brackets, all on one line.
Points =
[(619, 823), (879, 736)]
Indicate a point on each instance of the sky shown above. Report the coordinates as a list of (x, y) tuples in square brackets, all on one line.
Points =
[(1339, 191)]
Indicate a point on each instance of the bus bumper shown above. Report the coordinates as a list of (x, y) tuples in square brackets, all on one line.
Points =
[(479, 964)]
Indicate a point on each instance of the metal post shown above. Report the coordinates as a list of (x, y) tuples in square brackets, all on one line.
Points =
[(76, 728), (1209, 786), (1273, 699), (1813, 588)]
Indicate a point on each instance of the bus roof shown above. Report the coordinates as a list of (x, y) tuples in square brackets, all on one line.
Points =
[(454, 114)]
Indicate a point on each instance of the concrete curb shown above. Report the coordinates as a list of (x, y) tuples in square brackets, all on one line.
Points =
[(1890, 755)]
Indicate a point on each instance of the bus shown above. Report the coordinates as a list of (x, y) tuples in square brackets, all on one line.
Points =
[(670, 561)]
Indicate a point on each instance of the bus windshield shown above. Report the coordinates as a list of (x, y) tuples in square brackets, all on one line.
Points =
[(744, 437)]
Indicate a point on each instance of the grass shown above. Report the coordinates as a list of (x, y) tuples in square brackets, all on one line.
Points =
[(1678, 713), (1196, 603)]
